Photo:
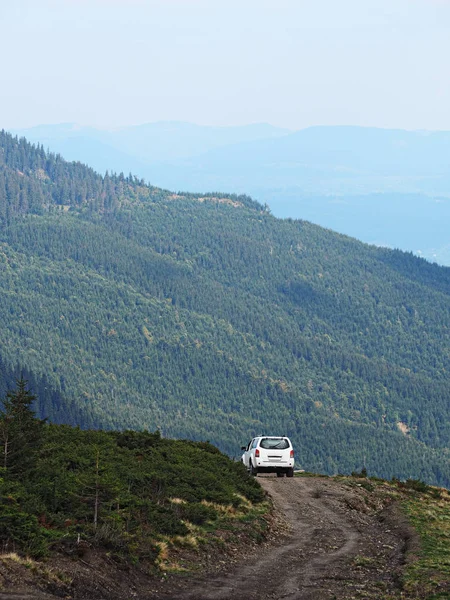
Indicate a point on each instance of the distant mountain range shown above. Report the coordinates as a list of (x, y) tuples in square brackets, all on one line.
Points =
[(384, 187), (137, 147)]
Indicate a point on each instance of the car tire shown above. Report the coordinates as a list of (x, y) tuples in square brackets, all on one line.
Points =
[(290, 472), (280, 474), (253, 470)]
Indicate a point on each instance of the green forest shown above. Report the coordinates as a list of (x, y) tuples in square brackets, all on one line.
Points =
[(204, 317)]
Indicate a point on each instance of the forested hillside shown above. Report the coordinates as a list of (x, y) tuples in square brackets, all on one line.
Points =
[(207, 318)]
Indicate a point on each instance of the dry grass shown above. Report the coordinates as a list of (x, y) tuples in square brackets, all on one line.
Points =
[(163, 554), (164, 562), (177, 501), (36, 567), (222, 509), (21, 560), (186, 541)]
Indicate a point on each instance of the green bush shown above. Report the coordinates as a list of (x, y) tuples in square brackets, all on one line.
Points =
[(412, 484), (198, 513), (164, 520), (19, 530)]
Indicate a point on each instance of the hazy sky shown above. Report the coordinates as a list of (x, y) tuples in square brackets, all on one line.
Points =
[(292, 63)]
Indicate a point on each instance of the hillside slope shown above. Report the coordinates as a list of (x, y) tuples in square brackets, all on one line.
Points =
[(206, 317)]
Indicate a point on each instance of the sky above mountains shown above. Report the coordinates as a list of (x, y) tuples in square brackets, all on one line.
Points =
[(291, 63)]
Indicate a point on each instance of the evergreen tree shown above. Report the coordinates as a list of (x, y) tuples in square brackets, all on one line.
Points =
[(20, 430)]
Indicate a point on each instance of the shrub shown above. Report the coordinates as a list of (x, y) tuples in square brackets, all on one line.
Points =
[(197, 513), (21, 531)]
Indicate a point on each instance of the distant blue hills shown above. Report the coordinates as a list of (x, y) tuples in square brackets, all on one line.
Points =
[(383, 186)]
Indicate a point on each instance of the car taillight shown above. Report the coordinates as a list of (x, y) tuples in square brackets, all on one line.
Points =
[(257, 453), (292, 454)]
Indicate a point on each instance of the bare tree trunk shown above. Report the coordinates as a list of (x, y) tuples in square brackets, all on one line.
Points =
[(5, 453), (5, 436), (97, 489)]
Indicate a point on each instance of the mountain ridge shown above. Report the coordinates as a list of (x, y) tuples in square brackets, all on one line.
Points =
[(383, 186)]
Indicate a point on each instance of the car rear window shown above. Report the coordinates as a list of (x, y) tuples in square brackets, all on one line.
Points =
[(274, 443)]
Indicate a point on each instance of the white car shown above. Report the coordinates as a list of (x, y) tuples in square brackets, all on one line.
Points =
[(269, 454)]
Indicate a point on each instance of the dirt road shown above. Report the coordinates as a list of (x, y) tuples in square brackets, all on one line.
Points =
[(338, 547)]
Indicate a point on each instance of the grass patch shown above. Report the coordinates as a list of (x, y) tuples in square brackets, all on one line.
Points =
[(365, 561), (21, 560), (429, 575), (426, 573)]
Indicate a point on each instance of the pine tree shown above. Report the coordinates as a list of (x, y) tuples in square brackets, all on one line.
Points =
[(20, 430)]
